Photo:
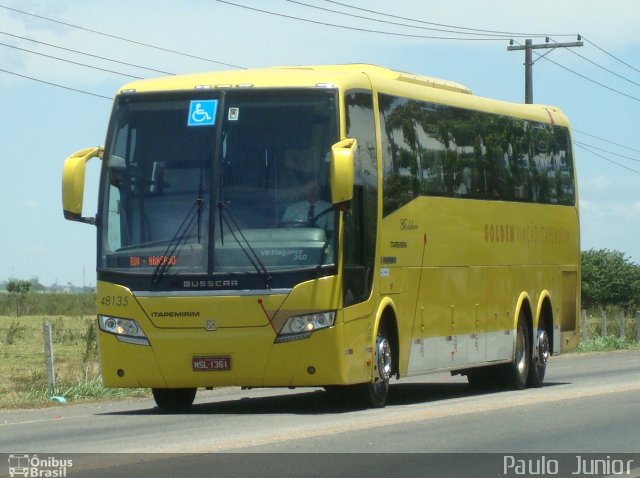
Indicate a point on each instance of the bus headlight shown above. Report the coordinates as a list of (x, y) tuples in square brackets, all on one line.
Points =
[(299, 327), (126, 330)]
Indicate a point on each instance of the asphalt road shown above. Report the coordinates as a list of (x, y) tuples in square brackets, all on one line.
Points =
[(590, 404)]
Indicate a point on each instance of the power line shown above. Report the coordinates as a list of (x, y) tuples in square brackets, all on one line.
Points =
[(593, 81), (479, 30), (116, 37), (345, 27), (71, 62), (55, 84), (606, 151), (610, 54), (86, 54), (477, 34), (606, 140), (602, 67), (586, 77), (586, 148)]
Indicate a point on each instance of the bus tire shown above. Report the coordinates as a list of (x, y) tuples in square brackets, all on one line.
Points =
[(516, 373), (174, 399), (539, 360), (374, 394)]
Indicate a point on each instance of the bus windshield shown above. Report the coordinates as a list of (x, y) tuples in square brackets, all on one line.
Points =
[(232, 181)]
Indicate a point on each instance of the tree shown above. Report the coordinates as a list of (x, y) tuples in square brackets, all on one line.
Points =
[(36, 286), (609, 278), (18, 289)]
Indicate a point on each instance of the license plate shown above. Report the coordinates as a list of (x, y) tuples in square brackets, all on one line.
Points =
[(211, 364)]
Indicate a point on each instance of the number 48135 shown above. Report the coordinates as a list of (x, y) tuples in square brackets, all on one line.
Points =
[(115, 301)]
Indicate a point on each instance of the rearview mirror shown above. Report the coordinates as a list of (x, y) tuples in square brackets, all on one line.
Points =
[(73, 173), (341, 174)]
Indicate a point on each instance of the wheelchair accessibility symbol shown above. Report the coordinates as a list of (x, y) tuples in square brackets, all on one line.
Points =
[(202, 113)]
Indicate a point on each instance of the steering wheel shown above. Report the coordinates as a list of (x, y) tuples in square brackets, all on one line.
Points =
[(294, 223)]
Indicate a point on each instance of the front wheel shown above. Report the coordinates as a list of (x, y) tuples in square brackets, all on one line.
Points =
[(174, 399), (374, 394)]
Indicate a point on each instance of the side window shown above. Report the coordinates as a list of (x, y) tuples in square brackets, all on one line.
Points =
[(566, 190), (361, 219), (454, 151), (436, 150), (114, 220), (400, 151), (552, 168), (120, 184)]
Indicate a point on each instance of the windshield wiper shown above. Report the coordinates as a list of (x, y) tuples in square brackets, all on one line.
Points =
[(227, 218), (178, 240)]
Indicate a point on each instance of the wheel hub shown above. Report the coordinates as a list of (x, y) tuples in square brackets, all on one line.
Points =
[(383, 359), (543, 347)]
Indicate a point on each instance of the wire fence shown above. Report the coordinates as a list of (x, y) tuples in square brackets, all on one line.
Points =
[(40, 352), (609, 323)]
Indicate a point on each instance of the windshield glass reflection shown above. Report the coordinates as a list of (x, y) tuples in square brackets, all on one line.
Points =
[(192, 189)]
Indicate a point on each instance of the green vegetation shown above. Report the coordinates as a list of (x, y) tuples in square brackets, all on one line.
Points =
[(607, 344), (39, 303), (23, 376), (610, 284), (82, 390), (609, 278), (18, 290)]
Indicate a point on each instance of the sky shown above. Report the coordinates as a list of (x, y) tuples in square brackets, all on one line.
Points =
[(41, 124)]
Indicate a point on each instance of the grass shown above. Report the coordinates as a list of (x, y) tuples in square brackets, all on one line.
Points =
[(607, 344), (23, 376), (84, 389), (51, 304), (597, 342)]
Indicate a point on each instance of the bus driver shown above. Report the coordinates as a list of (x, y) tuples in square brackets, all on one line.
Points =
[(312, 211)]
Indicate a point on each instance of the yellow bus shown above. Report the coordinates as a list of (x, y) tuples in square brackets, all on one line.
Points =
[(329, 226)]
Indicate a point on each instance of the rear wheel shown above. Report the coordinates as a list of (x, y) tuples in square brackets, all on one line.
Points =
[(541, 353), (515, 374), (174, 399)]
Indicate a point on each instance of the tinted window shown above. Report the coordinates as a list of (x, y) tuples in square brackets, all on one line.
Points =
[(435, 150), (361, 219)]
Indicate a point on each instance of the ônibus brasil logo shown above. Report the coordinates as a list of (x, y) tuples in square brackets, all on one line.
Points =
[(40, 467)]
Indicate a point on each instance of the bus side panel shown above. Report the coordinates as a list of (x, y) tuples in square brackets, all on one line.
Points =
[(501, 303), (570, 311), (449, 321), (478, 258)]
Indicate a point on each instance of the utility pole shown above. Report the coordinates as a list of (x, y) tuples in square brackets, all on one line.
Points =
[(528, 48)]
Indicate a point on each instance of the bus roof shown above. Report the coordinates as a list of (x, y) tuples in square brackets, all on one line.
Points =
[(347, 76), (286, 76)]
